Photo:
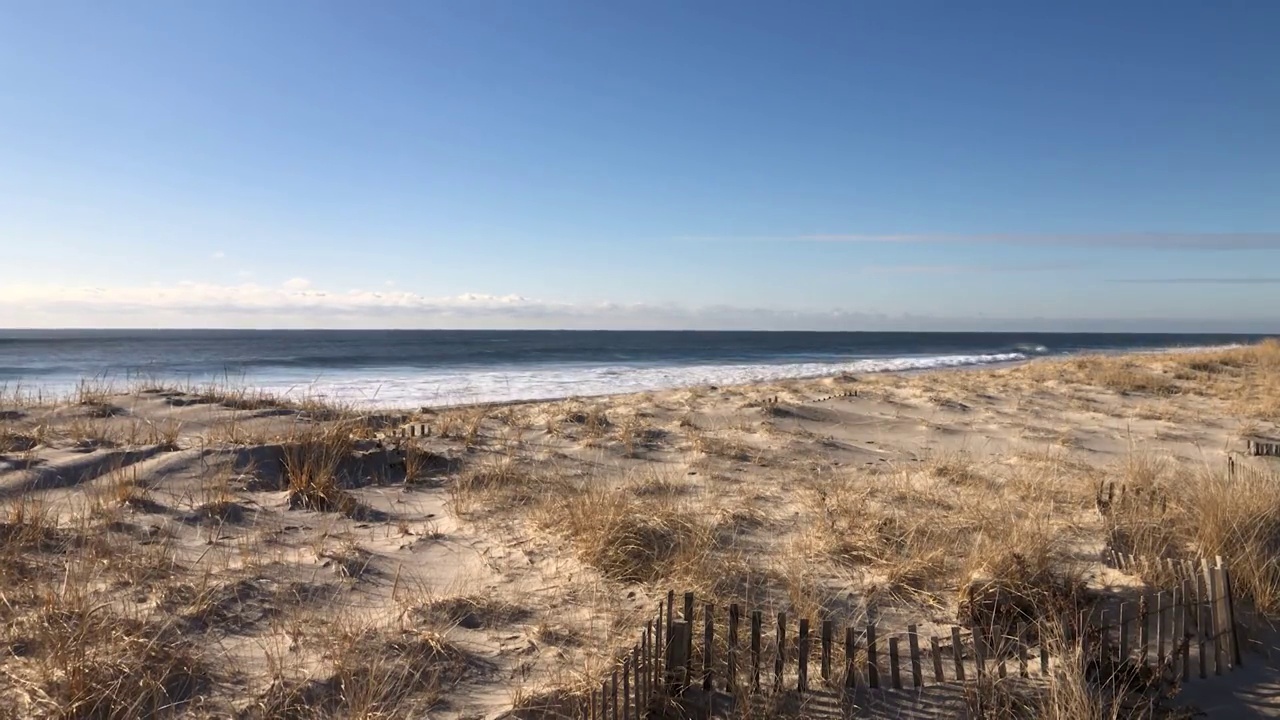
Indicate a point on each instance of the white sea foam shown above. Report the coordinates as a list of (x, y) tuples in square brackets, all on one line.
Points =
[(411, 387)]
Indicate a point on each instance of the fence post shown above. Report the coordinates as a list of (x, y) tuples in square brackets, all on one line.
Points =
[(826, 652), (780, 656), (802, 647), (957, 652), (757, 620), (1236, 655), (873, 672), (626, 689), (895, 676), (708, 644), (1160, 612), (850, 658), (688, 651), (677, 658), (731, 682), (936, 651), (1215, 616), (913, 647)]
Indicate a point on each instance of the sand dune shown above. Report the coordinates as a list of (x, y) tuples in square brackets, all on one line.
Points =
[(213, 553)]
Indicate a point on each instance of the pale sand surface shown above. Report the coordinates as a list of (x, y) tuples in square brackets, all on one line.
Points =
[(530, 542)]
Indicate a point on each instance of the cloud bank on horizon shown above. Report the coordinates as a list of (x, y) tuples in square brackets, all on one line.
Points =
[(297, 303)]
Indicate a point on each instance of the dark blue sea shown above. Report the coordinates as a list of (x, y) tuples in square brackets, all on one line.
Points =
[(436, 367)]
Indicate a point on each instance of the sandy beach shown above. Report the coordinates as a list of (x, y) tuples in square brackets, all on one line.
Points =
[(208, 552)]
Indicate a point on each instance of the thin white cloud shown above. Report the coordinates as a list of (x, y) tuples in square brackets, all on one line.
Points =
[(963, 269), (1200, 281), (218, 255), (1153, 240), (301, 305), (296, 284)]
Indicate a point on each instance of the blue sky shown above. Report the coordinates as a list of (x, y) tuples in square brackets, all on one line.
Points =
[(578, 164)]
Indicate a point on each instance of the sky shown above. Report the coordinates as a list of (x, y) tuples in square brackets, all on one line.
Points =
[(923, 164)]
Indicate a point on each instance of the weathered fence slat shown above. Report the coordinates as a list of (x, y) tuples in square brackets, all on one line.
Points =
[(757, 620), (626, 689), (957, 652), (913, 647), (1215, 638), (895, 677), (850, 657), (636, 684), (708, 643), (1126, 617), (731, 671), (613, 693), (827, 627), (677, 658), (1161, 602), (1185, 613), (979, 653), (873, 672), (1236, 655), (1201, 630), (935, 650), (1023, 660), (688, 650), (780, 654), (802, 649), (1144, 627)]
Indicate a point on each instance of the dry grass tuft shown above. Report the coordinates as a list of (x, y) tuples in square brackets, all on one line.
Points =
[(628, 539), (76, 660), (391, 674)]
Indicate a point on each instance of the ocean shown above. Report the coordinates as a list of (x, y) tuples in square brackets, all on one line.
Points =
[(440, 367)]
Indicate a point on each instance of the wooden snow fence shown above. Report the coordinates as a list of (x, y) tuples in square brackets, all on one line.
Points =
[(697, 660)]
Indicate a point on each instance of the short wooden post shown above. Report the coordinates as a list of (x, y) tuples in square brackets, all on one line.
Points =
[(731, 679), (1160, 611), (671, 611), (626, 689), (957, 652), (636, 686), (757, 620), (979, 653), (1144, 633), (1185, 613), (708, 644), (1236, 655), (913, 646), (780, 656), (688, 651), (894, 674), (677, 658), (1215, 632), (645, 666), (593, 712), (827, 628), (802, 682), (873, 672), (935, 649), (604, 701), (1126, 613), (1022, 651), (1044, 657), (1201, 630), (613, 694), (850, 658), (659, 647)]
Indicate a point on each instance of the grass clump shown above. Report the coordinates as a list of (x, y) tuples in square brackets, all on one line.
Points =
[(371, 673), (630, 540), (88, 662)]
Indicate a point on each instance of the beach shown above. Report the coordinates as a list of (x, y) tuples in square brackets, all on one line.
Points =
[(228, 551)]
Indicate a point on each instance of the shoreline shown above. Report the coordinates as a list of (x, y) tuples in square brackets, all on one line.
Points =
[(319, 391)]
